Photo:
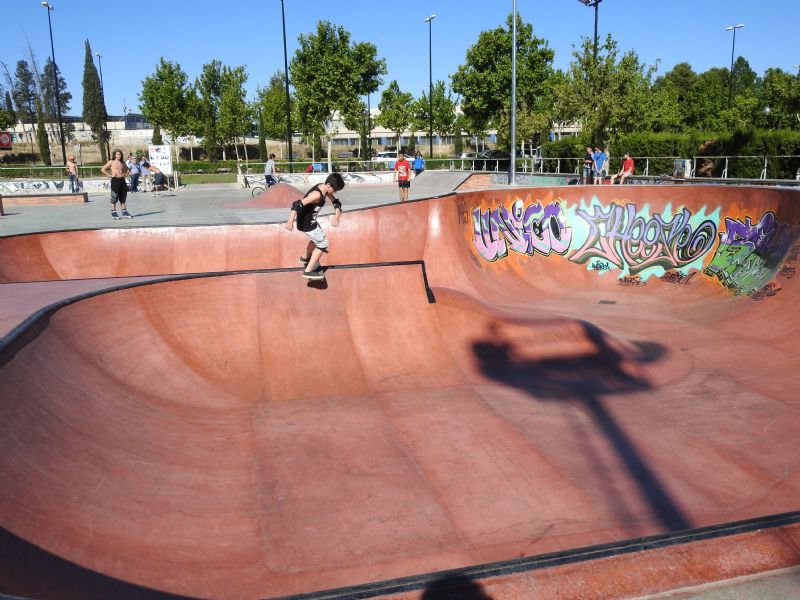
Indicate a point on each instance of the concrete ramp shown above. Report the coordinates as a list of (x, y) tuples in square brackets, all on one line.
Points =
[(529, 387)]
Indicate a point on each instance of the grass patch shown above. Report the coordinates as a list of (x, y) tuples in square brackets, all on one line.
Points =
[(208, 178)]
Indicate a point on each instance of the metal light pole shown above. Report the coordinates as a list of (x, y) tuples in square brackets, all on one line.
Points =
[(733, 49), (512, 174), (594, 3), (50, 8), (99, 56), (429, 21), (288, 101), (369, 129)]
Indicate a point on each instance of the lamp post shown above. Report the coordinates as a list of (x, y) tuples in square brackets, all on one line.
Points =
[(512, 174), (288, 101), (429, 21), (99, 56), (594, 3), (50, 9), (733, 50)]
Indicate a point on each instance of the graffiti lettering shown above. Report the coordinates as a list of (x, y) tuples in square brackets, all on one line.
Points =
[(789, 269), (463, 212), (677, 277), (749, 255), (632, 281), (524, 230), (624, 238), (600, 266), (767, 291)]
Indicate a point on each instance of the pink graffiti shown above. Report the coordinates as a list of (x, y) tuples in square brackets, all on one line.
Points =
[(525, 230)]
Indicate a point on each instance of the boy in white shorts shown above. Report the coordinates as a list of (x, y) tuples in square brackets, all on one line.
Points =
[(305, 211)]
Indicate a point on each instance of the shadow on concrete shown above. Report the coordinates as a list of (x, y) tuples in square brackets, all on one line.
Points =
[(455, 587), (586, 378)]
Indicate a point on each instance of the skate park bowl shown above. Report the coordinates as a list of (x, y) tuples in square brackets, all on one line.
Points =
[(519, 393)]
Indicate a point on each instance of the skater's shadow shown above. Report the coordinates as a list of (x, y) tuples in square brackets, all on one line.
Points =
[(146, 214), (319, 284), (589, 380), (455, 587)]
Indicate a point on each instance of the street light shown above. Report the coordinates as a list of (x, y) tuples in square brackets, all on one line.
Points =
[(99, 56), (512, 174), (733, 49), (288, 101), (50, 9), (429, 21), (594, 3)]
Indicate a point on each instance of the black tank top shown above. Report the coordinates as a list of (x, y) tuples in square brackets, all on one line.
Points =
[(307, 217)]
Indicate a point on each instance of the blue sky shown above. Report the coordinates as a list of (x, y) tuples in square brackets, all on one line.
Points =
[(133, 36)]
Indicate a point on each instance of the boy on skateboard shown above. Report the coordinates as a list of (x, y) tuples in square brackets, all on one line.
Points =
[(305, 211)]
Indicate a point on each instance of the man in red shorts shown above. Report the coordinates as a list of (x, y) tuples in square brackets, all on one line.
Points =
[(402, 175)]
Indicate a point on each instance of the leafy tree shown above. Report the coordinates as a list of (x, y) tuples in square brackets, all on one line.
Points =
[(370, 69), (24, 92), (208, 87), (355, 119), (608, 96), (708, 100), (272, 106), (234, 112), (9, 106), (6, 120), (397, 109), (41, 134), (94, 108), (157, 139), (50, 75), (779, 92), (444, 110), (164, 99), (484, 82), (329, 74)]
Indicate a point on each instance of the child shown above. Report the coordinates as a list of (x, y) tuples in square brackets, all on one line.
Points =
[(305, 211), (402, 175)]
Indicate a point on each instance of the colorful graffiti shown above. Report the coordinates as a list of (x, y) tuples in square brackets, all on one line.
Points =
[(749, 254), (631, 240), (523, 229)]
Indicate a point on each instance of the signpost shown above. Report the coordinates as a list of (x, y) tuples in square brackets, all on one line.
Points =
[(5, 140)]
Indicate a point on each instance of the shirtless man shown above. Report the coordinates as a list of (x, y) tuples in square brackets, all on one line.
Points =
[(117, 170), (72, 170)]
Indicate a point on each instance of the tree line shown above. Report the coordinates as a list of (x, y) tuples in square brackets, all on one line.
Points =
[(610, 95)]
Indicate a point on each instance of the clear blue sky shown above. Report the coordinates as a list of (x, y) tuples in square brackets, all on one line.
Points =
[(133, 36)]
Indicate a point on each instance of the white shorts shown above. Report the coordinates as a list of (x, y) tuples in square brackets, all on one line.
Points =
[(318, 236)]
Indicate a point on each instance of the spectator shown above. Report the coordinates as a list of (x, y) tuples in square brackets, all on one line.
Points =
[(588, 165), (133, 167), (144, 168), (419, 163), (269, 171), (72, 170), (626, 170), (600, 165)]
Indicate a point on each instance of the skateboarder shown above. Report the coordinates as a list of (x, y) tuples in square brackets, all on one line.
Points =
[(305, 211), (117, 170)]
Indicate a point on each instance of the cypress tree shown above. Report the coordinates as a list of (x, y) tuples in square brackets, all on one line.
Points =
[(157, 139), (41, 135), (9, 107), (94, 108)]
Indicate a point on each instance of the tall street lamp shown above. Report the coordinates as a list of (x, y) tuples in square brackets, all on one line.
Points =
[(288, 101), (512, 174), (733, 49), (429, 21), (99, 56), (594, 3), (50, 9)]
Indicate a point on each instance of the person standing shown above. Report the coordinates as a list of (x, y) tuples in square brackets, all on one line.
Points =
[(269, 171), (419, 163), (306, 211), (72, 171), (600, 165), (144, 170), (402, 175), (133, 167), (588, 165), (117, 170)]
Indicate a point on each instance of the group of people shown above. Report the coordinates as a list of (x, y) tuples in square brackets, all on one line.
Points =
[(402, 172), (118, 169), (595, 166)]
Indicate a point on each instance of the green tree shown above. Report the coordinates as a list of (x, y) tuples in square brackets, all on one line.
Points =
[(234, 112), (444, 111), (6, 120), (208, 87), (164, 99), (707, 100), (41, 134), (9, 106), (484, 82), (94, 108), (397, 109), (370, 69), (779, 92), (272, 105), (50, 75), (329, 74), (157, 139), (24, 92)]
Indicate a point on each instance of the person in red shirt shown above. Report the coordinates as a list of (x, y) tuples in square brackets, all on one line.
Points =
[(402, 175), (626, 170)]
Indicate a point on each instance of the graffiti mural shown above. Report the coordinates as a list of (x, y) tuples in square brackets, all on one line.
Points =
[(749, 254), (633, 241), (523, 229)]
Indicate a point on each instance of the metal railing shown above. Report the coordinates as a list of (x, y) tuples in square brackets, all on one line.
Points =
[(782, 166)]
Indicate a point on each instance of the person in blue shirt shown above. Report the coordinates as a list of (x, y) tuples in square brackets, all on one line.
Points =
[(418, 164), (600, 165)]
